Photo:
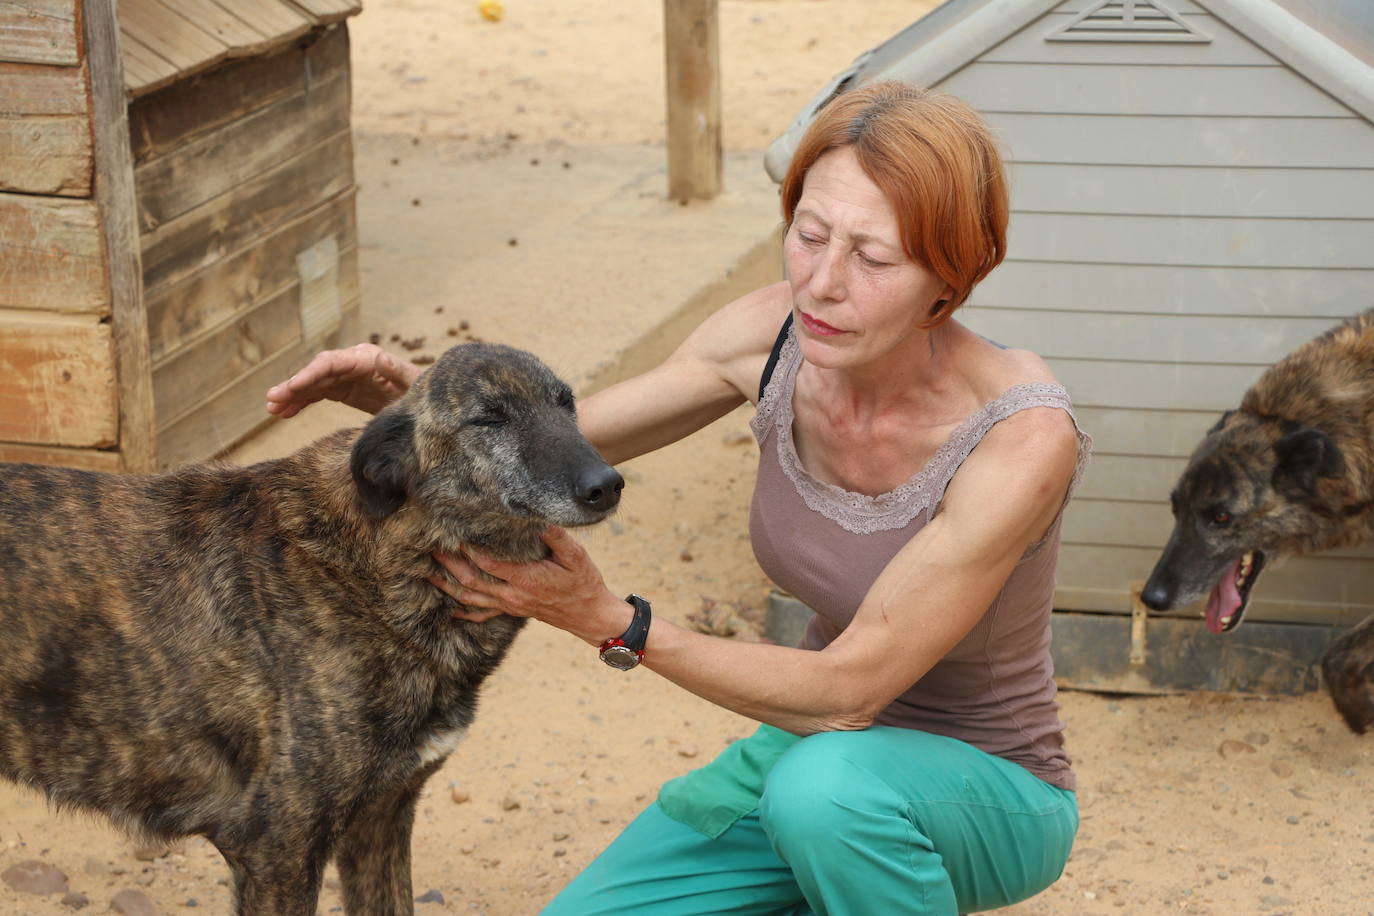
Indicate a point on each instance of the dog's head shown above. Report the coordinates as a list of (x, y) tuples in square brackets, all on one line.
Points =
[(487, 434), (1255, 489)]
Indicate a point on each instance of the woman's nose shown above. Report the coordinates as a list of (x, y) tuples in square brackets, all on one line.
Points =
[(827, 280)]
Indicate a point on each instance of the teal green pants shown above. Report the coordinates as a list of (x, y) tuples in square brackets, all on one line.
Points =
[(880, 821)]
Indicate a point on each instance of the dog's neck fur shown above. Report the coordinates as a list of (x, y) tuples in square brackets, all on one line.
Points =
[(395, 553)]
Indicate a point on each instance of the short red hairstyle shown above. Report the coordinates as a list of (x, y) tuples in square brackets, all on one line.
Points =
[(937, 163)]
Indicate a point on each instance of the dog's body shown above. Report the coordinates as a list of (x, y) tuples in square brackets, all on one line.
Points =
[(254, 654), (1290, 472)]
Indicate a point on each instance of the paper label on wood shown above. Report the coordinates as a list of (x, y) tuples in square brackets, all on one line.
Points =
[(321, 308)]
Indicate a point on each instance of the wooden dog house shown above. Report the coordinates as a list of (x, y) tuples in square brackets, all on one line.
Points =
[(177, 225), (1191, 199)]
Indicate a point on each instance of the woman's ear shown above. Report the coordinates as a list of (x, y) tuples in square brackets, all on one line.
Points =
[(385, 465), (942, 302)]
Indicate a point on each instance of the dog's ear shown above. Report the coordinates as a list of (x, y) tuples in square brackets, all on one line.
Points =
[(1303, 456), (1222, 422), (384, 462)]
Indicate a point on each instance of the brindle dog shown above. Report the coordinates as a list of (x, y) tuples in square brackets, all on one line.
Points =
[(1290, 472), (254, 654)]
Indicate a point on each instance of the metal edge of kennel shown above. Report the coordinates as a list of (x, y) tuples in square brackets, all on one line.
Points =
[(1144, 654)]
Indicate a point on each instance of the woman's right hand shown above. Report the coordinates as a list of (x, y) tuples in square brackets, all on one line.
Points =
[(363, 376)]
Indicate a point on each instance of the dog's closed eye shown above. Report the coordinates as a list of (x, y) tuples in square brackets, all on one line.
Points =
[(491, 416)]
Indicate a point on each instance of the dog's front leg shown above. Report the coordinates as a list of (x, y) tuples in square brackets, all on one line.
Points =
[(373, 854), (275, 880)]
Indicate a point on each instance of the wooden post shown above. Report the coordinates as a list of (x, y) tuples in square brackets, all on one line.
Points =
[(114, 195), (691, 39)]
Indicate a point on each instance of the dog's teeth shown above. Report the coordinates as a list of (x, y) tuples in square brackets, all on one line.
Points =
[(1226, 620)]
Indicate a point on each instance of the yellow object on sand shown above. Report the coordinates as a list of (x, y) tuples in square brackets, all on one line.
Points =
[(491, 10)]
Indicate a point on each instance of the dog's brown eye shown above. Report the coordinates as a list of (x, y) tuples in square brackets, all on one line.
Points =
[(1221, 517)]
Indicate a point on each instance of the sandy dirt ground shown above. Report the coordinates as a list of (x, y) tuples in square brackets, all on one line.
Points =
[(1192, 804)]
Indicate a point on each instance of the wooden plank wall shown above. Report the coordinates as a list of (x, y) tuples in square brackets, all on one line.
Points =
[(114, 195), (45, 145), (1183, 215), (58, 391), (246, 209)]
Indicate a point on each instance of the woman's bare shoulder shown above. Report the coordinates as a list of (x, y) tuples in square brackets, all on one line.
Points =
[(993, 368), (1020, 367), (752, 319), (1048, 430), (738, 337)]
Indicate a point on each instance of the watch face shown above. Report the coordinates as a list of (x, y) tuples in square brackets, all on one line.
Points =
[(622, 657)]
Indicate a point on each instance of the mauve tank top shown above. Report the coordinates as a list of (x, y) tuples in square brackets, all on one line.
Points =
[(826, 545)]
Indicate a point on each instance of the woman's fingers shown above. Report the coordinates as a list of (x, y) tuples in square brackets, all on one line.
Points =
[(451, 589), (497, 569), (474, 606), (475, 616), (314, 381), (399, 372), (472, 589), (363, 376), (563, 547), (461, 568)]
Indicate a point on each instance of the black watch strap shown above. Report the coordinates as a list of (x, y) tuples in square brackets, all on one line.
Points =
[(627, 650), (637, 634)]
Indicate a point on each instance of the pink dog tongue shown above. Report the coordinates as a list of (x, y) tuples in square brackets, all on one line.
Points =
[(1224, 600)]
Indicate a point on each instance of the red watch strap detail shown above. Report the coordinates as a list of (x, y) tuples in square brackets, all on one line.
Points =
[(638, 632), (617, 641)]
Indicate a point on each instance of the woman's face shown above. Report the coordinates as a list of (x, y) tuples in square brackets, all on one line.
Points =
[(855, 293)]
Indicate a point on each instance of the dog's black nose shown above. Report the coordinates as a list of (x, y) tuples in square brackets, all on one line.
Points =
[(599, 487), (1156, 596)]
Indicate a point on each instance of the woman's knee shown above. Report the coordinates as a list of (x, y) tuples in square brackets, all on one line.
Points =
[(813, 790)]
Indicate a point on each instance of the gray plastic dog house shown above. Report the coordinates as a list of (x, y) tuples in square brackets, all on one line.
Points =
[(1193, 196)]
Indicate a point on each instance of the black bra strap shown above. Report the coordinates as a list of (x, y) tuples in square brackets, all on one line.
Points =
[(773, 356)]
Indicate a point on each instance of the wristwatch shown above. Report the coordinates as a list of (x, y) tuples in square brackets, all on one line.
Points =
[(626, 651)]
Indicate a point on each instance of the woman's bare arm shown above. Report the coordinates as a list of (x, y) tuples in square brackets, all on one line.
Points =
[(714, 370), (934, 591)]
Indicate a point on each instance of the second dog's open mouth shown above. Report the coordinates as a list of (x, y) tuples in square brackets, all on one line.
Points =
[(1231, 595)]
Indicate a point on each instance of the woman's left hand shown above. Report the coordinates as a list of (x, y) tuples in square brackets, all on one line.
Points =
[(565, 589)]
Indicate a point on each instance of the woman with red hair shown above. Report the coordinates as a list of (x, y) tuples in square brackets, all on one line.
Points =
[(912, 476)]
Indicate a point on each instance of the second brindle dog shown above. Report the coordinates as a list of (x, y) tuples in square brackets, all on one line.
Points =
[(1290, 472), (254, 654)]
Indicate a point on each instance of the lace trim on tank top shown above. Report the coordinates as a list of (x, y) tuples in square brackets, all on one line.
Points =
[(860, 513)]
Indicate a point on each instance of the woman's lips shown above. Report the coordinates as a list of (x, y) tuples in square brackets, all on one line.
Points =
[(818, 327)]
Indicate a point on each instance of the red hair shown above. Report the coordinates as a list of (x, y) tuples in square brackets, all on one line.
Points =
[(937, 164)]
